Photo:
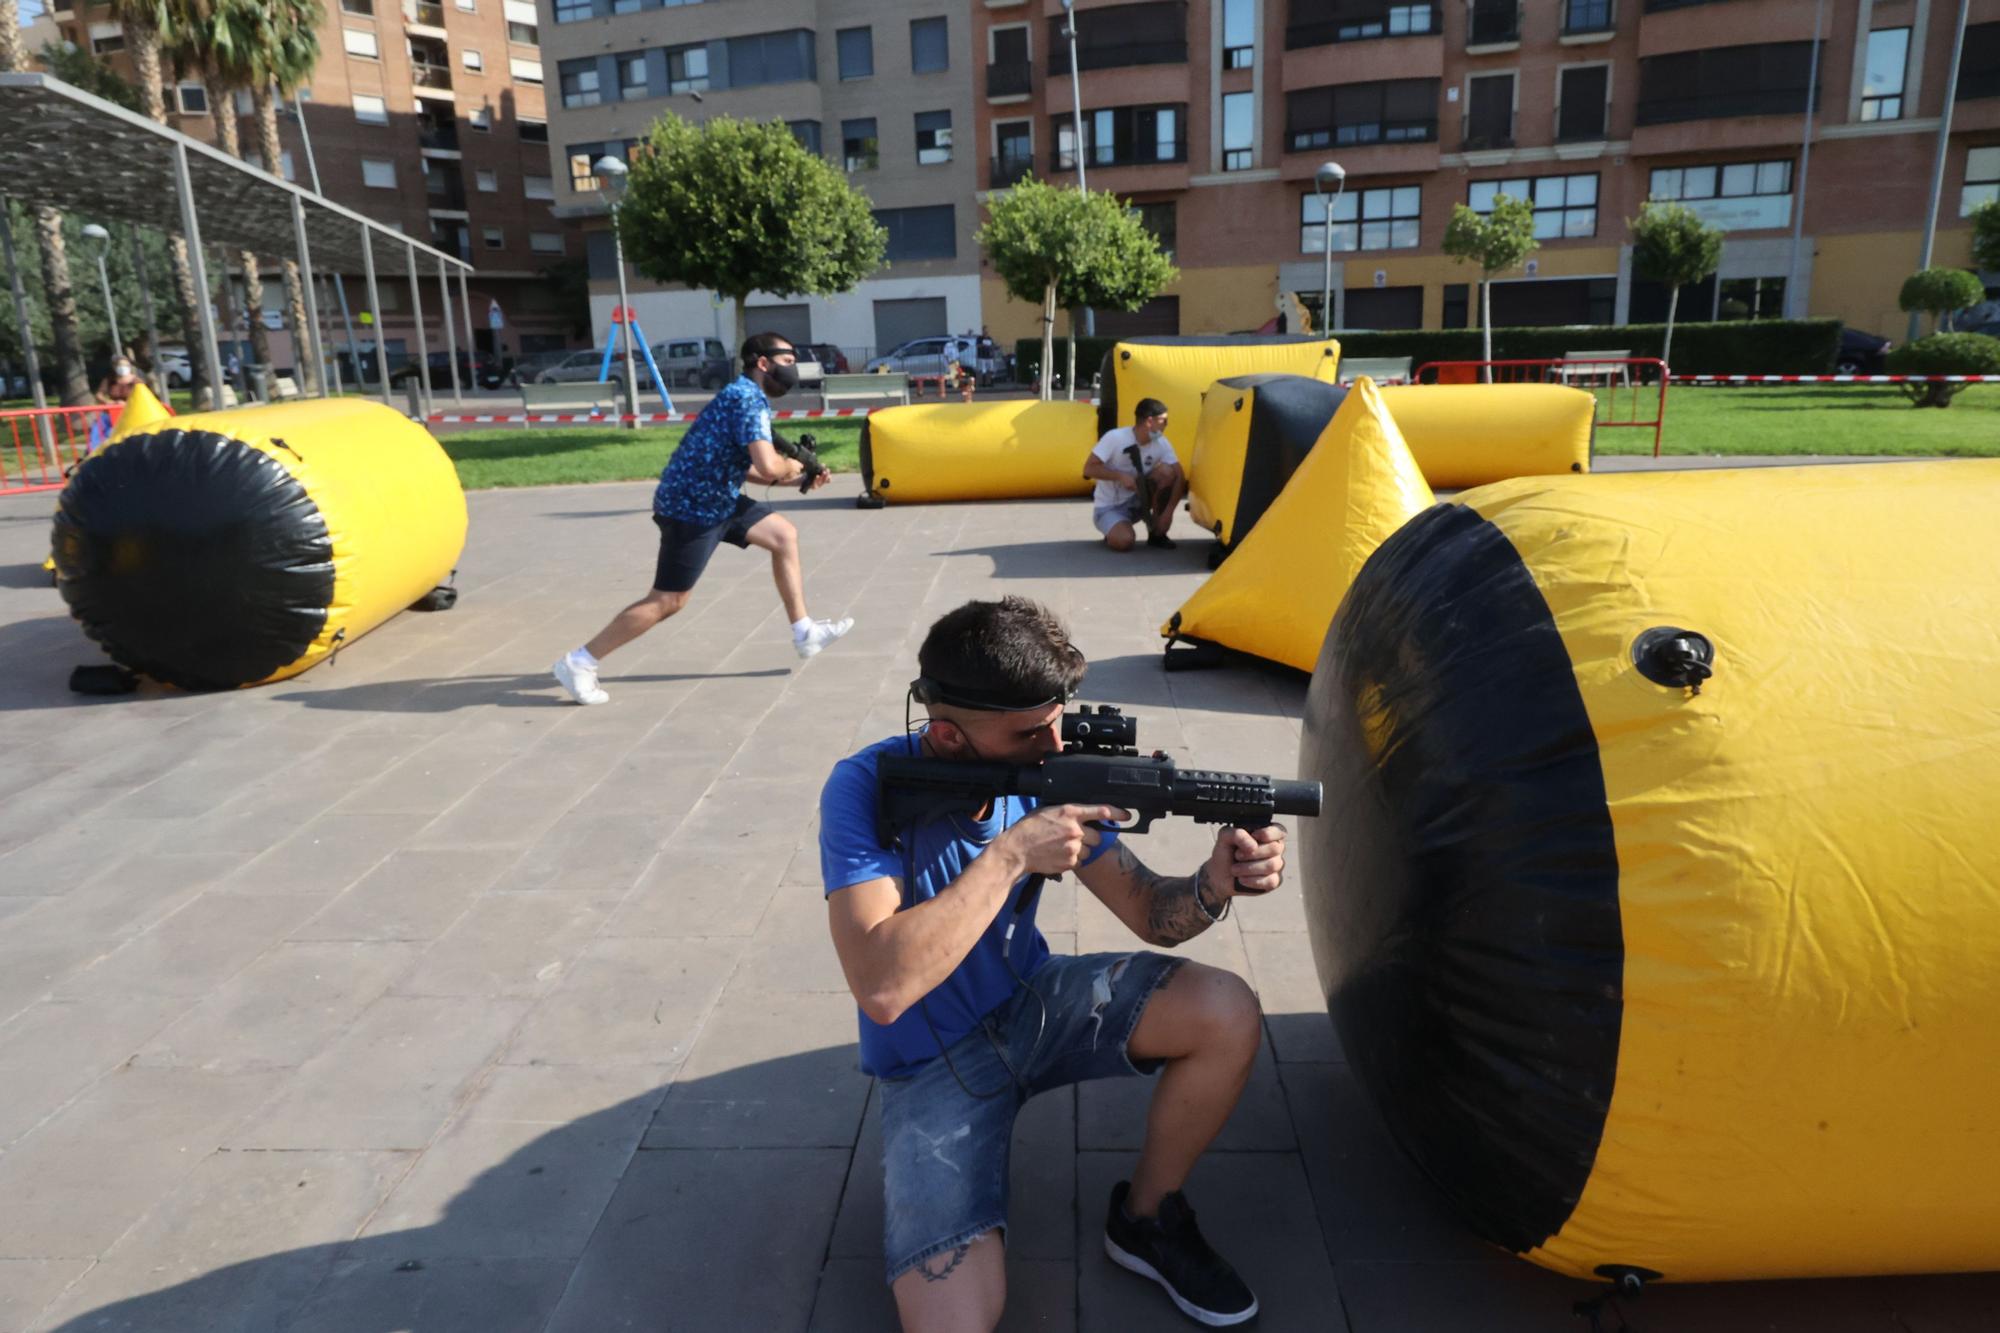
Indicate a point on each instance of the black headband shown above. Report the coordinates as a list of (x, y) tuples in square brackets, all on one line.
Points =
[(925, 690)]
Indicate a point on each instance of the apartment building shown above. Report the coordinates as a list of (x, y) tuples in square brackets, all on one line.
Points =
[(427, 115), (1212, 116), (883, 89)]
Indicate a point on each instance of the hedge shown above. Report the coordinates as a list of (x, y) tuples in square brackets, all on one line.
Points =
[(1727, 347)]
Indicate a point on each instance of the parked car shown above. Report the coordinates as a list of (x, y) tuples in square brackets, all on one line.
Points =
[(688, 362), (811, 372), (179, 370), (978, 355), (575, 368), (1860, 353), (533, 364), (831, 359), (483, 369)]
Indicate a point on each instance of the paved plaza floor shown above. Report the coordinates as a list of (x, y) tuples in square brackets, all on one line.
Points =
[(404, 996)]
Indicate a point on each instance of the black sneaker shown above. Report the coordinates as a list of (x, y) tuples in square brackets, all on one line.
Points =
[(1170, 1250), (1161, 540)]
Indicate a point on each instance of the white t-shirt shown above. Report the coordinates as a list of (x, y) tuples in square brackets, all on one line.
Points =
[(1110, 451)]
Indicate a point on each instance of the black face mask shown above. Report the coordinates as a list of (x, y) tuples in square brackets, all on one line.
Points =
[(780, 380)]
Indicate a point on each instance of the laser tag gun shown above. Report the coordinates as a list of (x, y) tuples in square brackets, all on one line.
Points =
[(806, 452), (1145, 487), (1099, 765)]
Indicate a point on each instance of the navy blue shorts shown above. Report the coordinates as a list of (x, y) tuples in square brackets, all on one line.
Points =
[(685, 547)]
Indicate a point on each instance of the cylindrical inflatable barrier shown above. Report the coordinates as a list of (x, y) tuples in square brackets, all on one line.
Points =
[(1255, 431), (1466, 435), (1003, 450), (1177, 371), (239, 547), (1658, 893)]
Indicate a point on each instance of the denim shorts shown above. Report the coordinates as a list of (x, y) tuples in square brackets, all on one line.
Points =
[(945, 1153), (1110, 516)]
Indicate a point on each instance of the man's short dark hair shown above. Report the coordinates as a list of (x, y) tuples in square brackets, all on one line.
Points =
[(763, 344), (1148, 407), (1013, 653)]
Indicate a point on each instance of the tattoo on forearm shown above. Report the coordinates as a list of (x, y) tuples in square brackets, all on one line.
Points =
[(1173, 916), (940, 1274)]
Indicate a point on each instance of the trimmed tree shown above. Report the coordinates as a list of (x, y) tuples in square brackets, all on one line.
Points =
[(1986, 235), (1941, 293), (1944, 354), (738, 206), (1496, 241), (1672, 246), (1065, 248)]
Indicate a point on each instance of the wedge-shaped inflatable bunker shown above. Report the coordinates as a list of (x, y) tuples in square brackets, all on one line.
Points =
[(1178, 371), (1255, 431), (1275, 596), (977, 451), (238, 547), (1466, 435), (1655, 901)]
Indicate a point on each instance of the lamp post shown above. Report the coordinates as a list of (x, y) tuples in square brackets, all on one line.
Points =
[(93, 232), (1329, 174), (612, 172), (1076, 132)]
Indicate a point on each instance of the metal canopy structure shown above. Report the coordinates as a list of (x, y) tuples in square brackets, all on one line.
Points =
[(66, 147)]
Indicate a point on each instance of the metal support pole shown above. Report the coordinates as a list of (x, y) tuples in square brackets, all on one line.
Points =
[(375, 313), (191, 230), (110, 306), (21, 324), (1795, 299), (152, 322), (471, 350), (1915, 329), (624, 323), (423, 343), (1076, 128), (315, 349), (332, 363), (450, 334), (347, 323)]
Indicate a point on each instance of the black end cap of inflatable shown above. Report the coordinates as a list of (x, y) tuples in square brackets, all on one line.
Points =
[(437, 599), (869, 500), (108, 678), (1185, 654)]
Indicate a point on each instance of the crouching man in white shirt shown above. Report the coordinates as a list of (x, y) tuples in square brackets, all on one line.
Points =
[(1139, 480)]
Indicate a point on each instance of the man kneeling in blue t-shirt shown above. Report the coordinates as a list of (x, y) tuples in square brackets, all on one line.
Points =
[(963, 1029)]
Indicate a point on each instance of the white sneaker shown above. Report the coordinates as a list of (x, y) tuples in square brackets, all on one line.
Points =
[(579, 681), (821, 634)]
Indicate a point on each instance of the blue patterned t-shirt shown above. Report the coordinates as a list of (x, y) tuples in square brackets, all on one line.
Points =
[(702, 480)]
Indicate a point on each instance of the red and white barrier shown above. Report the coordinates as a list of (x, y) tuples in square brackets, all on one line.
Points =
[(1837, 379), (608, 418)]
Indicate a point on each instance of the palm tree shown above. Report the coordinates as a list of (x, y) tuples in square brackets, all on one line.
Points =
[(279, 48), (56, 284)]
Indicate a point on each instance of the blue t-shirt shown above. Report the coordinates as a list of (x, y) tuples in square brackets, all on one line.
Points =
[(702, 480), (939, 853)]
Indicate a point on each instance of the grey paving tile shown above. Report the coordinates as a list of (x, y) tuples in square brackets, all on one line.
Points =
[(410, 895), (791, 949), (53, 1051), (326, 855), (494, 816), (28, 1286), (625, 1002), (768, 1071), (192, 951), (508, 944), (708, 1239), (236, 1248), (384, 1292), (701, 891), (1041, 1296), (586, 852), (68, 853), (1281, 968)]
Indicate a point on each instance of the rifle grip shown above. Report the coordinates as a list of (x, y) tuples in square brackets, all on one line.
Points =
[(1031, 892)]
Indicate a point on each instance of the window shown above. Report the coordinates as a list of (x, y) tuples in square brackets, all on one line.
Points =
[(365, 8), (472, 59), (572, 11), (632, 76), (1122, 136), (1979, 62), (1882, 83), (1587, 16), (538, 187), (1982, 179), (106, 38), (1239, 127), (1584, 100), (467, 6), (1738, 196), (534, 131), (1384, 219), (1159, 220), (482, 120), (370, 110), (582, 160), (1239, 33), (362, 44), (526, 34), (1751, 298), (687, 69), (860, 150), (772, 57), (1489, 113), (933, 138), (920, 233), (285, 166), (193, 99), (524, 71), (246, 105), (930, 46), (1393, 111), (807, 133), (1014, 161), (377, 174), (579, 83), (1321, 22), (857, 52), (487, 181), (545, 242), (1565, 206), (1144, 34), (1768, 79)]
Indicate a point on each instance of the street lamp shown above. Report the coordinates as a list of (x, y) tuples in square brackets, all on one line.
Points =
[(93, 232), (1334, 175), (611, 172)]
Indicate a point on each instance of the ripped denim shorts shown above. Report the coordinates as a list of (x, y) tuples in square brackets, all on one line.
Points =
[(945, 1153)]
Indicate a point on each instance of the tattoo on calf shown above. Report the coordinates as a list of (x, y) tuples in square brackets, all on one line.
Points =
[(1174, 914), (939, 1275)]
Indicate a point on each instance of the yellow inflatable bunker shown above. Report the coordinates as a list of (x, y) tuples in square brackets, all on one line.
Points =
[(1276, 594), (1658, 891), (1475, 434), (238, 547), (1178, 371), (977, 451), (1254, 432)]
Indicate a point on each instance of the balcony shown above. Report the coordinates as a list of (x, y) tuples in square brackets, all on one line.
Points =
[(1487, 139), (1583, 125), (1010, 169), (1720, 106), (453, 239), (1362, 135), (1493, 26), (1146, 154), (423, 14), (1009, 78), (441, 134), (1391, 21), (1116, 57), (435, 78)]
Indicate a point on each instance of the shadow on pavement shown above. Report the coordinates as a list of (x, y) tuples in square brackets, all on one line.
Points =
[(449, 694), (1086, 557)]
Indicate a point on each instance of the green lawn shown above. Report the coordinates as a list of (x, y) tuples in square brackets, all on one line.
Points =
[(565, 455), (1808, 419)]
